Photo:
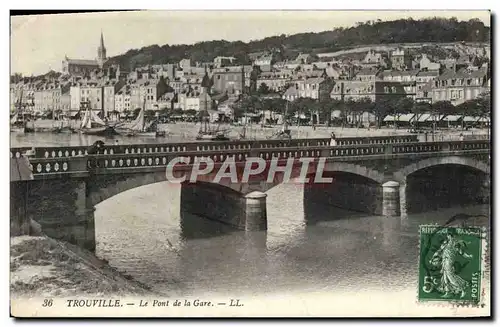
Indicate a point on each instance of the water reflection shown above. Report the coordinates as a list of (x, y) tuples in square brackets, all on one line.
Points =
[(178, 253)]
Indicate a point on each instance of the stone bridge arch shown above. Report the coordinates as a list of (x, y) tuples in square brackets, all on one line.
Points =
[(103, 187), (401, 174), (346, 167), (407, 197)]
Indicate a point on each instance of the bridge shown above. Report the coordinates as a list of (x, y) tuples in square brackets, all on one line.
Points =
[(378, 175)]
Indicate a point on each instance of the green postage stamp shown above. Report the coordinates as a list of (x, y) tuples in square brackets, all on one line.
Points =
[(451, 264)]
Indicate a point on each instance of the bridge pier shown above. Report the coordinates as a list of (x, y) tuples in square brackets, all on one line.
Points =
[(216, 202), (391, 203), (402, 198), (255, 211), (61, 207)]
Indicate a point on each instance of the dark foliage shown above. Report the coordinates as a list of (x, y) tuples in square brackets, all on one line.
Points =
[(288, 46)]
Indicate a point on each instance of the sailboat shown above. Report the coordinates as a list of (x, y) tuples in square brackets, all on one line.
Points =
[(138, 126), (284, 133), (210, 134), (93, 125), (16, 125), (18, 122)]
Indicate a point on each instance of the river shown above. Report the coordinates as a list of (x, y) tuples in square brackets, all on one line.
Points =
[(340, 250), (143, 233)]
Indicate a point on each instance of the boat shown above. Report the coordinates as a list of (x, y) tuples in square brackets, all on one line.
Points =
[(93, 125), (16, 125), (284, 133), (208, 133), (63, 129), (18, 122), (139, 127)]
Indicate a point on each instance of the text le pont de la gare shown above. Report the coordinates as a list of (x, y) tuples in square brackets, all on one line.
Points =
[(114, 303)]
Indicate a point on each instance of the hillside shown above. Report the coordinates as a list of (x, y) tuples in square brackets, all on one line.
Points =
[(371, 32)]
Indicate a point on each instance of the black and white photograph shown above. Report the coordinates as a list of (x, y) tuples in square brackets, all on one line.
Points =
[(229, 163)]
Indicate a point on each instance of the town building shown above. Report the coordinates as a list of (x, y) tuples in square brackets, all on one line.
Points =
[(367, 74), (122, 99), (400, 59), (275, 81), (460, 86), (47, 97), (147, 90), (223, 61), (426, 63), (376, 59), (356, 90), (195, 100), (424, 80), (185, 64), (231, 80), (318, 88), (264, 62)]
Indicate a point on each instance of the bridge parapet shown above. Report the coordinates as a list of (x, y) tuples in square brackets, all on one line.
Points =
[(73, 151), (120, 161)]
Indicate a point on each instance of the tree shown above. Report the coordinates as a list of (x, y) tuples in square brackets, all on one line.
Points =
[(263, 89), (382, 108), (444, 108), (357, 108)]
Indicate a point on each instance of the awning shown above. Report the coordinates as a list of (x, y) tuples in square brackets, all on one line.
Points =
[(336, 114), (389, 118), (405, 117), (471, 119), (452, 118), (423, 117)]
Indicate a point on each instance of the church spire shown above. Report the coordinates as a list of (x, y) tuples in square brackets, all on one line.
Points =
[(102, 41), (101, 52)]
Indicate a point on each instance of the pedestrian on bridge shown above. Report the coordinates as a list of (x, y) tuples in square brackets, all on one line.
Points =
[(333, 141)]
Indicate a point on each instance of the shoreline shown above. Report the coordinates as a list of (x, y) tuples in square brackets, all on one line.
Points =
[(42, 266), (185, 131)]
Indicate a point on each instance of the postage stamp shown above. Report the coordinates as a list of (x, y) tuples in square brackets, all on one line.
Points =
[(451, 264)]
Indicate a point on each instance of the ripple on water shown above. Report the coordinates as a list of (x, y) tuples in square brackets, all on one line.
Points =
[(148, 241)]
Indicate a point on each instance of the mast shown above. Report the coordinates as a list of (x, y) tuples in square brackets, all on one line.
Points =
[(245, 125), (285, 127), (207, 116), (143, 112)]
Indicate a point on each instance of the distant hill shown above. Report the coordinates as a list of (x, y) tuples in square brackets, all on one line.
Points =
[(371, 32)]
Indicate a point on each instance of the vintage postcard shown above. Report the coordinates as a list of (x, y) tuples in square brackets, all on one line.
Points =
[(250, 164)]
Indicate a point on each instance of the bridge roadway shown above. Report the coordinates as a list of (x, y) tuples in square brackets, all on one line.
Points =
[(67, 183)]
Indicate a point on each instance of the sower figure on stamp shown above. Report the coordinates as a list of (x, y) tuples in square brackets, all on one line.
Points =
[(451, 283)]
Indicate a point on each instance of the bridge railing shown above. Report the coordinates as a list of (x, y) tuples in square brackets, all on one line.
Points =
[(46, 166), (18, 151), (378, 140), (73, 151), (155, 159)]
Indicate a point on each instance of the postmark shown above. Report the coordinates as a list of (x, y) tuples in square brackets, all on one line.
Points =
[(451, 265)]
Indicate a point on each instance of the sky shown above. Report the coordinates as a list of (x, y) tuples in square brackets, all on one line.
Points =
[(40, 43)]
